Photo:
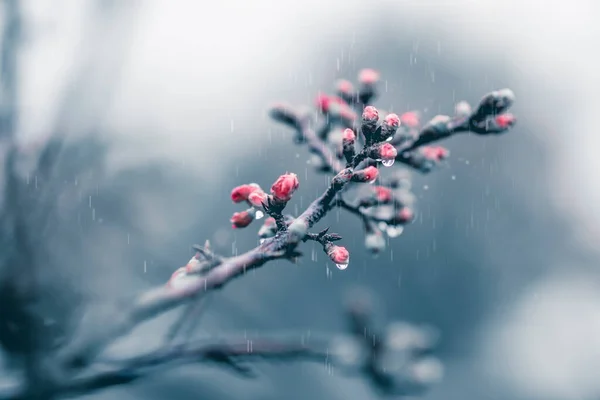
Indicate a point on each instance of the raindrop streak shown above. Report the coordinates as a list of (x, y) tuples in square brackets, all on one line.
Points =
[(394, 231), (259, 214), (388, 163)]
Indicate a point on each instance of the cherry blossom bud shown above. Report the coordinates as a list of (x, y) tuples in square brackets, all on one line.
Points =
[(383, 194), (370, 114), (368, 174), (410, 119), (389, 127), (241, 219), (403, 216), (348, 135), (370, 118), (387, 152), (375, 242), (241, 193), (505, 121), (368, 76), (257, 198), (285, 186), (344, 87), (326, 103), (435, 153), (339, 255), (462, 109)]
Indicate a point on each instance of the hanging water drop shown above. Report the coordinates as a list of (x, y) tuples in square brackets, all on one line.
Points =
[(388, 163), (343, 266), (394, 231), (259, 214)]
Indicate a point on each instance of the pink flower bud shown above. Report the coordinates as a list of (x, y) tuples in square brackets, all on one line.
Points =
[(241, 219), (285, 186), (383, 194), (368, 174), (349, 135), (344, 86), (387, 152), (269, 222), (370, 114), (325, 102), (392, 120), (410, 119), (241, 193), (405, 215), (257, 198), (338, 255), (505, 120), (437, 153), (368, 76)]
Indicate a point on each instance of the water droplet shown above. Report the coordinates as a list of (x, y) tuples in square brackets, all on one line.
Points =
[(261, 241), (259, 214), (382, 225), (342, 266), (389, 139), (394, 231), (388, 163)]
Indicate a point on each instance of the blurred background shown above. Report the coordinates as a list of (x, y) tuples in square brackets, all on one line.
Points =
[(502, 259)]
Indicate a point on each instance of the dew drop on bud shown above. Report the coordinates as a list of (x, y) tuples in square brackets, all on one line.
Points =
[(259, 214), (394, 231), (389, 139), (388, 163), (342, 266)]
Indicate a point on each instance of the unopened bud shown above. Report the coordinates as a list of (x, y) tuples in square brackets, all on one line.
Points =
[(241, 219), (462, 109), (242, 192), (368, 76), (285, 186), (505, 121), (368, 174), (410, 119), (257, 198), (339, 255)]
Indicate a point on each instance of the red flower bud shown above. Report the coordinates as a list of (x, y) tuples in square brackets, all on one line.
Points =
[(505, 120), (339, 255), (392, 120), (241, 219), (410, 119), (241, 193), (349, 135), (368, 174), (368, 76), (383, 194), (257, 198), (387, 152), (370, 114), (285, 186)]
